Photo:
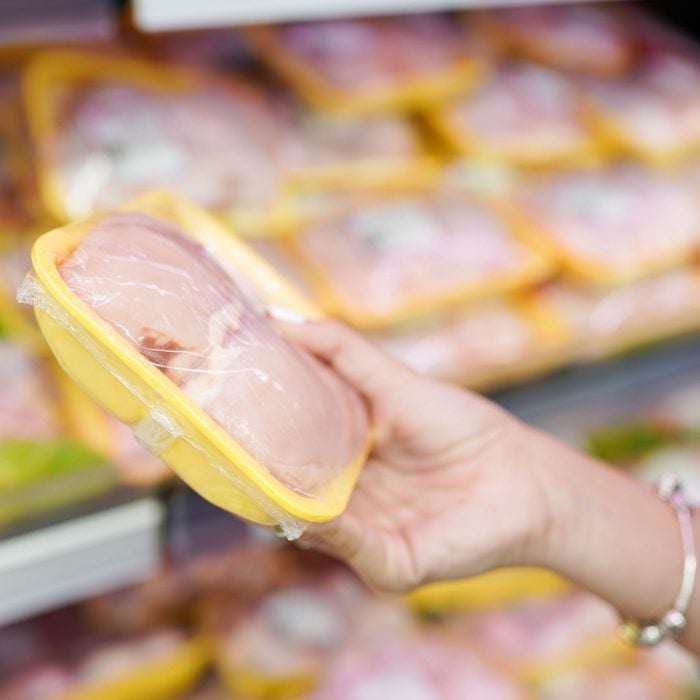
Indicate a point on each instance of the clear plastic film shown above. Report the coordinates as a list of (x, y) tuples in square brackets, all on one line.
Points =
[(583, 38), (603, 223), (599, 321), (369, 64), (521, 113), (177, 319), (391, 258)]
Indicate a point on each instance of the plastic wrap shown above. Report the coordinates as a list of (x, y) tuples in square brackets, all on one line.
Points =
[(158, 313), (602, 321), (538, 640), (389, 259), (521, 113), (582, 38), (108, 128), (369, 64), (604, 223), (417, 669), (478, 345)]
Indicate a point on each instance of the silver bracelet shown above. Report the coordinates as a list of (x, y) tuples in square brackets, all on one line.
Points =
[(648, 633)]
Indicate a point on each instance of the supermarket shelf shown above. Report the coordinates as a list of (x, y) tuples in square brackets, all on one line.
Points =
[(164, 15), (51, 566)]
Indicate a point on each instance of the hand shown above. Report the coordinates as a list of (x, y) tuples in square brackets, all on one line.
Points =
[(451, 488)]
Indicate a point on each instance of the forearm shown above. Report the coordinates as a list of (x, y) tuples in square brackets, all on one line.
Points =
[(612, 535)]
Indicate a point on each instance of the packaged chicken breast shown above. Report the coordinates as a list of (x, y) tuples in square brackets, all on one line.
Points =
[(480, 344), (653, 112), (159, 313), (160, 664), (355, 151), (587, 38), (281, 646), (388, 259), (601, 321), (604, 223), (536, 640), (521, 113), (425, 667), (370, 64), (106, 128)]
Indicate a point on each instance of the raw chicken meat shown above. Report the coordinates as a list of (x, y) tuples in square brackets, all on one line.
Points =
[(27, 407), (125, 658), (39, 682), (377, 53), (292, 632), (600, 320), (611, 218), (327, 139), (414, 669), (524, 111), (544, 630), (465, 345), (186, 314), (382, 258), (222, 147), (579, 37)]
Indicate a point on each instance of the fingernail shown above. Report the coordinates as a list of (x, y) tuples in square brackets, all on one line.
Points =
[(281, 313)]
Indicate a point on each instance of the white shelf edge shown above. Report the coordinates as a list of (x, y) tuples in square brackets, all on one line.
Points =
[(89, 555), (167, 15)]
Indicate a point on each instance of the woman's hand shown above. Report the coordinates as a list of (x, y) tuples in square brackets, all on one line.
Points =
[(451, 488)]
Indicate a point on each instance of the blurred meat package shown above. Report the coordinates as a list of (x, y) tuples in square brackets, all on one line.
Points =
[(598, 321), (369, 64), (521, 113), (604, 222), (475, 345), (586, 38), (388, 259)]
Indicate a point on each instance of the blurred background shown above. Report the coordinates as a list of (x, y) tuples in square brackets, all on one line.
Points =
[(503, 197)]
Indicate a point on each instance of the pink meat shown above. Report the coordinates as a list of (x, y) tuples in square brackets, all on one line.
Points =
[(188, 316), (128, 657), (414, 669), (39, 682), (329, 139), (579, 37), (650, 305), (543, 630), (522, 107), (223, 149), (614, 216), (385, 254), (377, 53), (27, 408), (657, 106), (464, 345), (293, 631)]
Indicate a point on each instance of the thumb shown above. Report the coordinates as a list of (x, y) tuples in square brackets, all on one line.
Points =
[(364, 366)]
